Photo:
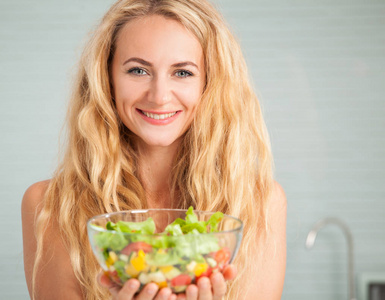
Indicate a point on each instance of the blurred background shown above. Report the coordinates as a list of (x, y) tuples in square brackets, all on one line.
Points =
[(319, 69)]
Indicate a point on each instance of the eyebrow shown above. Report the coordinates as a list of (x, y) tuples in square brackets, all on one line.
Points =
[(146, 63), (138, 60)]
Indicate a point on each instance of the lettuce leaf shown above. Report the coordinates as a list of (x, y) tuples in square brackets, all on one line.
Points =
[(145, 227), (111, 240), (214, 220), (182, 236)]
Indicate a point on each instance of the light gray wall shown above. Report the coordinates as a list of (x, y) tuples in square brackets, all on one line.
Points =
[(319, 67)]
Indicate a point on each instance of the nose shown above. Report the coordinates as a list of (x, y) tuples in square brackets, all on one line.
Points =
[(160, 92)]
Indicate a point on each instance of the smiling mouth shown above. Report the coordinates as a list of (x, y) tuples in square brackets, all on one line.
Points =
[(158, 116)]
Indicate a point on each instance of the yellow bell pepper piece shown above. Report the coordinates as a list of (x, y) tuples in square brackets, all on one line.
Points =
[(141, 253), (109, 262), (139, 262), (200, 269), (130, 270), (166, 269), (112, 258), (162, 284)]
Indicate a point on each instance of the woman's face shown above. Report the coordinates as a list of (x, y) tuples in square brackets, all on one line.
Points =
[(158, 76)]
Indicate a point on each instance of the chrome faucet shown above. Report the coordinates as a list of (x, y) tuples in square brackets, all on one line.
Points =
[(310, 240)]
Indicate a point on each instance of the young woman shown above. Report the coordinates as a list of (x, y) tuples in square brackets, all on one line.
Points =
[(162, 116)]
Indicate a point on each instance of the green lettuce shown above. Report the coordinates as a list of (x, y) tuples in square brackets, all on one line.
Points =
[(113, 241), (191, 244), (145, 227)]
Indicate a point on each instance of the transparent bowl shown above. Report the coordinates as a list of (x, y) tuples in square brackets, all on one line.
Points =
[(168, 260)]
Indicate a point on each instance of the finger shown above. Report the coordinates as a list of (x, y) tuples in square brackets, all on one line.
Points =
[(164, 294), (181, 297), (172, 297), (204, 287), (105, 281), (230, 272), (128, 290), (148, 292), (192, 292), (219, 285)]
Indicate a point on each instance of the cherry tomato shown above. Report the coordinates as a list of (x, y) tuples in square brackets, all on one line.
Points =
[(135, 247), (181, 279)]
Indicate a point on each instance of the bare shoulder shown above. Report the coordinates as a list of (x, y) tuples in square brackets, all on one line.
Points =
[(277, 211), (31, 204), (30, 207), (270, 266), (279, 197), (49, 284), (33, 197)]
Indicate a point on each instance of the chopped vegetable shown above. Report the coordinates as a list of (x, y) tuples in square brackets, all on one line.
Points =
[(173, 258)]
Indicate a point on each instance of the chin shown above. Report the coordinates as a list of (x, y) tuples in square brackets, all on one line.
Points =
[(160, 142)]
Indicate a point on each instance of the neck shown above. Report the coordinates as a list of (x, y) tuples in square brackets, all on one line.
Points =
[(154, 166)]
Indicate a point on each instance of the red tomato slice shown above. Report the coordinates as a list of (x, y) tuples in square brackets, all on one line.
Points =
[(135, 247), (182, 279), (222, 256)]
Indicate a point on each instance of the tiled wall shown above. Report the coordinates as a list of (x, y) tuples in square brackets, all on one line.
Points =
[(319, 67)]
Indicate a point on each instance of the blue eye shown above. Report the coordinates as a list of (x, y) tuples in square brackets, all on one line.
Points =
[(183, 73), (137, 71)]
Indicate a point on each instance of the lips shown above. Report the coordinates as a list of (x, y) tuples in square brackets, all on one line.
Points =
[(159, 118)]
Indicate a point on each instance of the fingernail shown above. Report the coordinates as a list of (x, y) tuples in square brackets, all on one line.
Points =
[(133, 284), (203, 283), (151, 290), (217, 276)]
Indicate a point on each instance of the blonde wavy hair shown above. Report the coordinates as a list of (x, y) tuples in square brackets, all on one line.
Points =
[(224, 161)]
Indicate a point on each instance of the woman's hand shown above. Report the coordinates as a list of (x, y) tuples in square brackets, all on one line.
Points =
[(127, 292), (213, 288)]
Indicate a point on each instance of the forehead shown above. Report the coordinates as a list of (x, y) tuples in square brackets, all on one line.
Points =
[(158, 38)]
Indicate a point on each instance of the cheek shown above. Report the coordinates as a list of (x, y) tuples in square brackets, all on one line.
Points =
[(127, 93), (124, 99), (191, 95)]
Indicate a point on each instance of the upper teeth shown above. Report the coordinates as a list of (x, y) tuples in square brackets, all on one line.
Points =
[(159, 117)]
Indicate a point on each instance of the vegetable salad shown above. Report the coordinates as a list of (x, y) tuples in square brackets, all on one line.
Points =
[(175, 258)]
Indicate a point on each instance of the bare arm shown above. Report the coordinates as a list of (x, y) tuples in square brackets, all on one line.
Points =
[(270, 268), (55, 278)]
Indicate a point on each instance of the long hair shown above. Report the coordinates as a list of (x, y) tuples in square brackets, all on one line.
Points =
[(224, 161)]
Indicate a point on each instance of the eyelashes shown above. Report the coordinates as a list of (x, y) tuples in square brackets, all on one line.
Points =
[(137, 71), (143, 72), (184, 73)]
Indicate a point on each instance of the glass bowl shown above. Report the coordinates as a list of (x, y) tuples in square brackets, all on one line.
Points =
[(196, 244)]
